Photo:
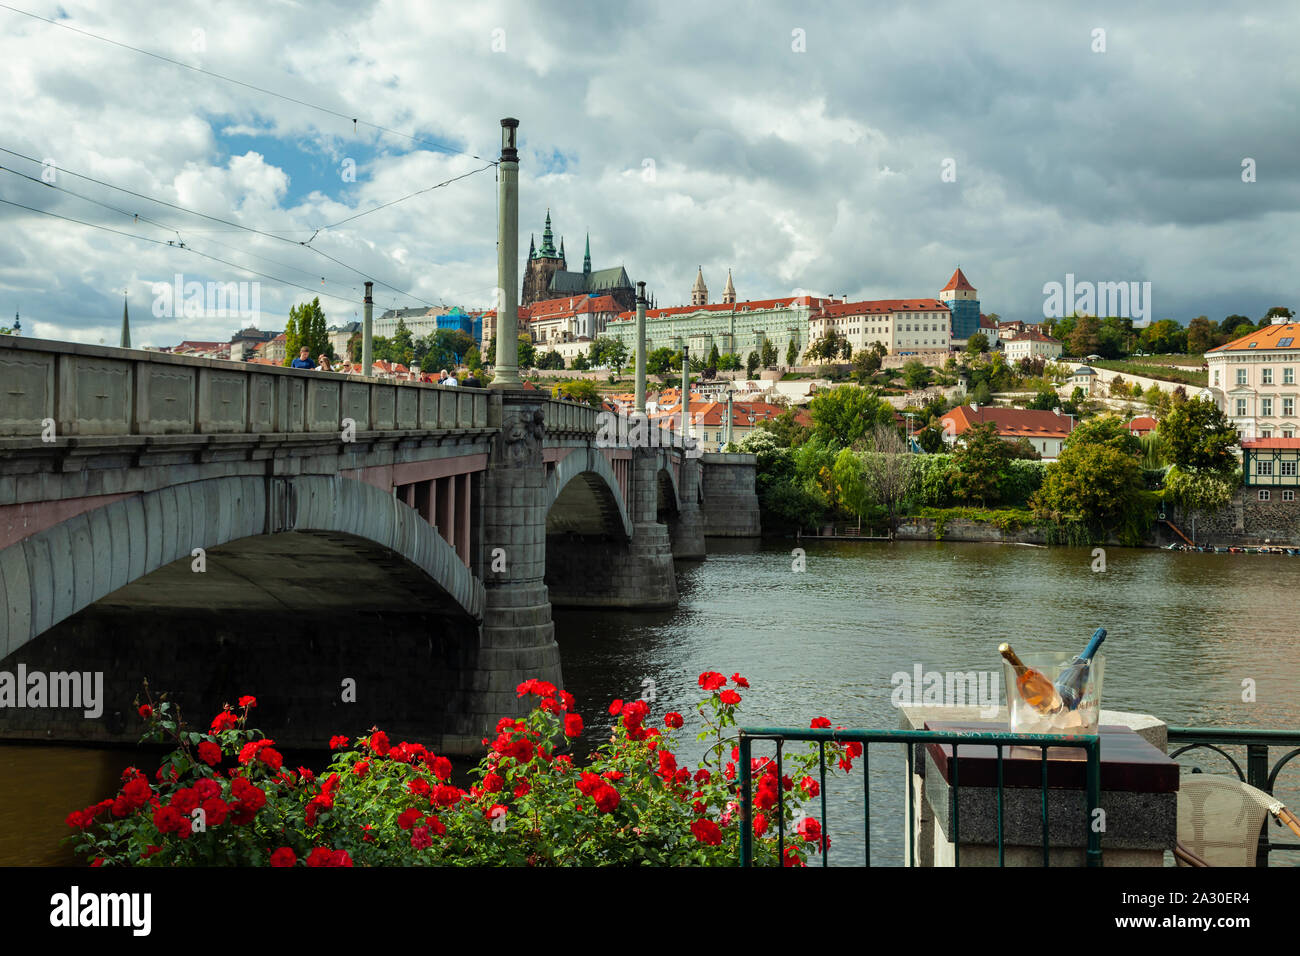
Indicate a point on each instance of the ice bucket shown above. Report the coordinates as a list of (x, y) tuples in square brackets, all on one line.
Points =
[(1082, 719)]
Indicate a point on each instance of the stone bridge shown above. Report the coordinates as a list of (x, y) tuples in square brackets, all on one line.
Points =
[(351, 551)]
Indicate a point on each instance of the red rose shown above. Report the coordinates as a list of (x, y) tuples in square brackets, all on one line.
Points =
[(379, 743), (223, 721), (760, 824), (409, 818), (729, 697), (150, 851), (167, 819), (146, 711), (672, 719), (707, 832), (667, 764), (810, 786), (739, 681), (137, 792), (441, 768), (607, 798), (533, 686), (338, 741), (820, 722), (522, 789), (214, 811), (436, 825), (210, 753), (712, 680), (320, 856), (616, 708), (493, 782), (361, 767), (702, 776), (494, 811), (572, 725), (566, 700), (420, 838), (284, 857), (248, 702)]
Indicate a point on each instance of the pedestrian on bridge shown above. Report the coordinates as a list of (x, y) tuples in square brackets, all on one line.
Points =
[(303, 360)]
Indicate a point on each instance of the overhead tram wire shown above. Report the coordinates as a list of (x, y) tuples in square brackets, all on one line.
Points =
[(228, 222), (168, 227), (443, 147), (174, 245)]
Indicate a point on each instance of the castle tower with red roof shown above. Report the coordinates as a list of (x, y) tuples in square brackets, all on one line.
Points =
[(964, 303)]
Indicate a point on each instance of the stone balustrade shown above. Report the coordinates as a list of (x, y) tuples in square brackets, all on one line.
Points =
[(90, 390)]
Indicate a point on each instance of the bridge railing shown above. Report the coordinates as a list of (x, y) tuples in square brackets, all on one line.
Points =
[(67, 389)]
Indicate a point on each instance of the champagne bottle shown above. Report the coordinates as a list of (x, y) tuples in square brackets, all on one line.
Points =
[(1034, 687), (1071, 681)]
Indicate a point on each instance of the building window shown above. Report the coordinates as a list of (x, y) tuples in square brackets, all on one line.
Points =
[(1263, 494), (1241, 407), (1288, 376), (1266, 376), (1288, 433), (1241, 376), (1264, 469), (1216, 376), (1288, 496), (1266, 406), (1288, 407), (1286, 469)]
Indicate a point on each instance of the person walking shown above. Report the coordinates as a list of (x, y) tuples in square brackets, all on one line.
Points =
[(303, 361)]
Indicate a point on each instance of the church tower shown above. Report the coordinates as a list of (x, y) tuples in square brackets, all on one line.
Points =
[(963, 302), (699, 291), (543, 262), (729, 293)]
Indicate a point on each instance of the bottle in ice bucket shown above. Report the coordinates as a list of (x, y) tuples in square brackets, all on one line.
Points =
[(1034, 687), (1071, 681)]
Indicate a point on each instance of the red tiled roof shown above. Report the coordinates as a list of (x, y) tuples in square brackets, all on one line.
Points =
[(882, 306), (1142, 423), (1268, 338), (782, 303), (1010, 422), (1034, 336), (1253, 443), (958, 283), (573, 305)]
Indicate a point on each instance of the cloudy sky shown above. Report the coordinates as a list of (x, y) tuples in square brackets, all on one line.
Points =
[(802, 150)]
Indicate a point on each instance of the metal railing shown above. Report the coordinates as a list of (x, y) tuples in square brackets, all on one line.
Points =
[(1258, 772), (1090, 744)]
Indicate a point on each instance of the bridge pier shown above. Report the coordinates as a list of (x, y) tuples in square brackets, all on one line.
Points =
[(687, 530)]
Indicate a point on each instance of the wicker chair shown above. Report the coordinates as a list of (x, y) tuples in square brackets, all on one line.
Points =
[(1219, 819)]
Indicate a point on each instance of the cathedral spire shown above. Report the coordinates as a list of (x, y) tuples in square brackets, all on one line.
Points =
[(548, 241), (586, 258), (561, 247), (125, 341), (729, 292), (699, 291), (532, 250)]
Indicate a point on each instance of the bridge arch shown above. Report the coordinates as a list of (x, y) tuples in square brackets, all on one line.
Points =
[(584, 496), (49, 576)]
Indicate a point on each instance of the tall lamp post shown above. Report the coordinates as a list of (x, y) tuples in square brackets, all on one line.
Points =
[(506, 367)]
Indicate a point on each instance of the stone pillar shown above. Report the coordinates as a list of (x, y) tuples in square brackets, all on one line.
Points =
[(517, 637), (647, 578), (640, 348), (505, 367), (367, 330), (688, 530), (730, 496)]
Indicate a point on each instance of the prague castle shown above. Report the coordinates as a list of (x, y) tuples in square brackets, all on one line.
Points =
[(547, 275)]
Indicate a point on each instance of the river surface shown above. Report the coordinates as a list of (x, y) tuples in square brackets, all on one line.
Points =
[(1184, 632)]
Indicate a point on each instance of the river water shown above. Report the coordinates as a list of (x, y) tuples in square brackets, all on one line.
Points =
[(1184, 632)]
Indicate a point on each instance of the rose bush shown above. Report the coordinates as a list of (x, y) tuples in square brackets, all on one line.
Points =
[(225, 797)]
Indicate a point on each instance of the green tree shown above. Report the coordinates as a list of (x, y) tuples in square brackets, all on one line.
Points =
[(844, 414), (307, 323), (579, 390), (527, 352), (1108, 430), (791, 352), (1200, 334), (714, 357), (1099, 489), (930, 439), (851, 484), (403, 345), (916, 374), (769, 353), (865, 364), (980, 459), (786, 429), (982, 394), (1198, 437), (490, 356), (550, 360), (663, 362), (1085, 337), (581, 362), (473, 359), (977, 343), (751, 364)]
